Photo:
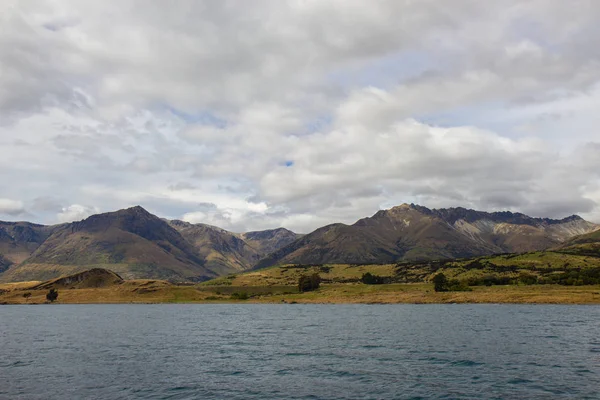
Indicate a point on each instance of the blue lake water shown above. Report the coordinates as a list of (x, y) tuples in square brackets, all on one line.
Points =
[(248, 351)]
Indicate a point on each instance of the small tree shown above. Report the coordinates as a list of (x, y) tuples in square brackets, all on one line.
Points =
[(440, 283), (307, 283), (27, 295), (52, 295), (370, 279)]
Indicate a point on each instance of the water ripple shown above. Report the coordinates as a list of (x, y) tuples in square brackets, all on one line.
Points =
[(299, 352)]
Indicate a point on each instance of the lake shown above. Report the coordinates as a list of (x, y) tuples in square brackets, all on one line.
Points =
[(249, 351)]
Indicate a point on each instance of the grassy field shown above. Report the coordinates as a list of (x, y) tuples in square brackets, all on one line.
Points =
[(419, 293), (341, 283)]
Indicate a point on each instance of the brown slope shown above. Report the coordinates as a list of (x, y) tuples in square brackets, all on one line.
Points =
[(585, 245), (224, 252), (18, 240), (270, 240), (410, 232), (93, 278), (227, 252), (132, 242)]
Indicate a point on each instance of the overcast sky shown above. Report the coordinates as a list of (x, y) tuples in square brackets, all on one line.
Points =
[(257, 114)]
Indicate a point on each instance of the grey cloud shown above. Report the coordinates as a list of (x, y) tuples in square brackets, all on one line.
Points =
[(194, 108)]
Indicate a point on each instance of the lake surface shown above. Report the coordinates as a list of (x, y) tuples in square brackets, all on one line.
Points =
[(247, 351)]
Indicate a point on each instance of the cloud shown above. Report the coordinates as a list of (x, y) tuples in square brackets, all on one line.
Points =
[(13, 208), (76, 212), (298, 113)]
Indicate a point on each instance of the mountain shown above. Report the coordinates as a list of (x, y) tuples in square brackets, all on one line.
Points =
[(585, 245), (138, 245), (268, 241), (412, 232), (223, 251), (19, 239), (227, 252), (133, 242)]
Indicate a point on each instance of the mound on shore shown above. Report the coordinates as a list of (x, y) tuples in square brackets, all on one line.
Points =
[(93, 278)]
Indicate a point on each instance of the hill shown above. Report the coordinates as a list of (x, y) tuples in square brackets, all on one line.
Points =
[(132, 242), (19, 239), (224, 252), (412, 232), (93, 278), (586, 245)]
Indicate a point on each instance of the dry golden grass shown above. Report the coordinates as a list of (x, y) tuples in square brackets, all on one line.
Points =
[(148, 291)]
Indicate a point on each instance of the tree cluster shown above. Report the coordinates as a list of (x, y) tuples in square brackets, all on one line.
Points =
[(443, 284), (370, 279), (306, 283)]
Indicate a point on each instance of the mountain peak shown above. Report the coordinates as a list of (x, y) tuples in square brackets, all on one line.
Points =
[(135, 210)]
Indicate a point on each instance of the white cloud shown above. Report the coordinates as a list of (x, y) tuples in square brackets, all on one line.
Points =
[(76, 212), (11, 207), (298, 113)]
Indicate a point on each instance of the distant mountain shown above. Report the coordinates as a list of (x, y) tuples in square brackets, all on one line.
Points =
[(587, 245), (412, 232), (19, 239), (227, 252), (223, 251), (266, 242), (138, 245), (133, 243)]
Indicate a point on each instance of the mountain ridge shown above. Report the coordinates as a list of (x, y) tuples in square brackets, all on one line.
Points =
[(132, 242), (137, 244), (409, 232)]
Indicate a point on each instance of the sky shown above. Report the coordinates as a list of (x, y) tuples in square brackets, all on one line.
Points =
[(251, 115)]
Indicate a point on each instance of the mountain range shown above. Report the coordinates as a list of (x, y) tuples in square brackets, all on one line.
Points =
[(136, 244)]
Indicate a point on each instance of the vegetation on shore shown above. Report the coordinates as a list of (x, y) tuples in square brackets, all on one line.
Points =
[(568, 275)]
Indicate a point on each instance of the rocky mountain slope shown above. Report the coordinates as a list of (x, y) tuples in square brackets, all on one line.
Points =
[(412, 232), (223, 251), (19, 239), (227, 252), (134, 244)]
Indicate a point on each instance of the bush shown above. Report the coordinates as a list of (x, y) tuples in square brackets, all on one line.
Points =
[(240, 296), (454, 285), (489, 280), (527, 279), (370, 279), (27, 295), (52, 295), (307, 283), (440, 283)]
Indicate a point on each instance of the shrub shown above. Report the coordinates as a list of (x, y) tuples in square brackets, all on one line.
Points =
[(306, 283), (454, 285), (52, 295), (527, 279), (440, 283), (370, 279), (27, 295), (240, 296)]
